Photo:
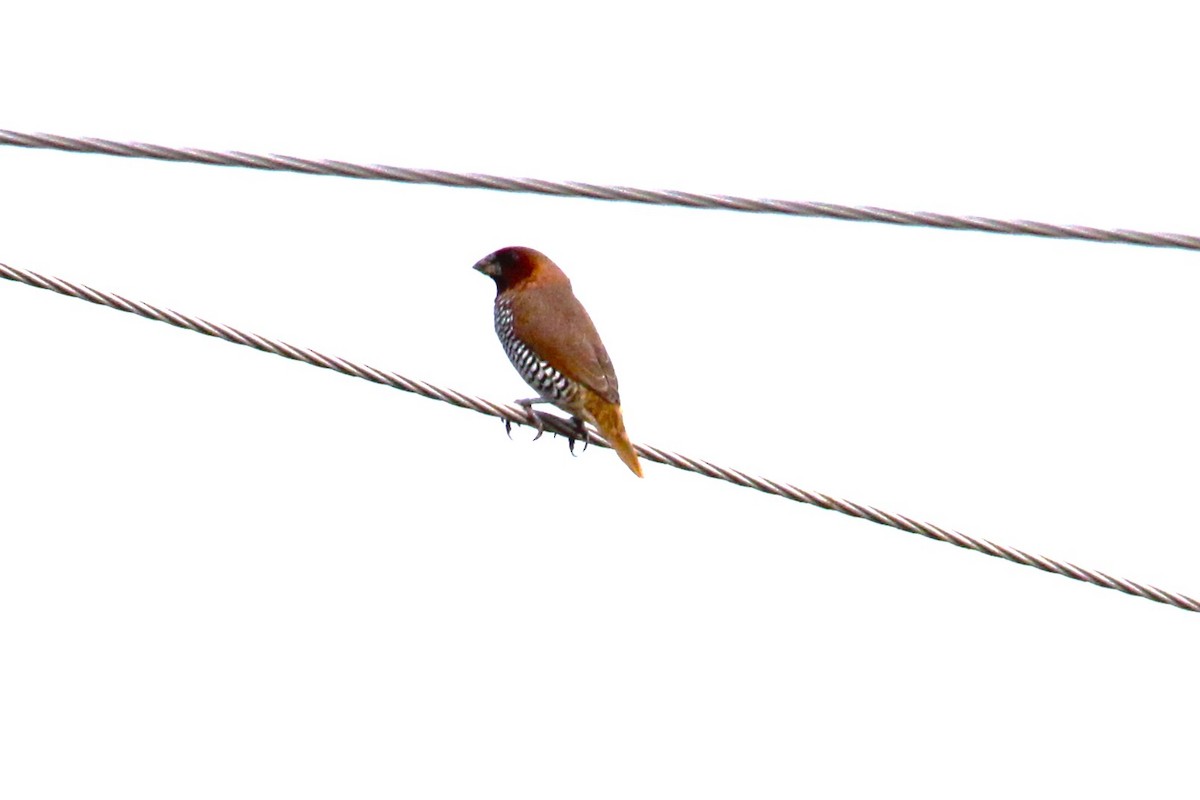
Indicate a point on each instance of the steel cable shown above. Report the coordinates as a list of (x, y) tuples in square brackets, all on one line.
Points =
[(560, 426), (628, 194)]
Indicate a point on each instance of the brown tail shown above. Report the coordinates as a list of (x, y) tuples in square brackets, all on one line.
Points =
[(607, 417)]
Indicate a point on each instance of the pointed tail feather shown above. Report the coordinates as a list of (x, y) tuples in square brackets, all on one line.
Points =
[(607, 418)]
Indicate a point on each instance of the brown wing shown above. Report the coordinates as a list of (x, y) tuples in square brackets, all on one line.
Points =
[(559, 331)]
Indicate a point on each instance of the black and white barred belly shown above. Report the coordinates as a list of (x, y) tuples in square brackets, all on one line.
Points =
[(545, 379)]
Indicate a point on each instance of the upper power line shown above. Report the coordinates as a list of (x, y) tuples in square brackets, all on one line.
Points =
[(628, 194)]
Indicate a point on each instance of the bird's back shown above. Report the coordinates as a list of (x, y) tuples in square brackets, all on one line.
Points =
[(552, 322)]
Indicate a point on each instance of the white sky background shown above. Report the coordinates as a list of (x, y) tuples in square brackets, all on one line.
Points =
[(225, 574)]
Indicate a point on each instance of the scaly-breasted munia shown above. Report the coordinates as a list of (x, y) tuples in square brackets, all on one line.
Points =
[(552, 342)]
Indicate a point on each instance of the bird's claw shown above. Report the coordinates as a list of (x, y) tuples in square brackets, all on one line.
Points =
[(537, 423), (535, 420), (580, 433)]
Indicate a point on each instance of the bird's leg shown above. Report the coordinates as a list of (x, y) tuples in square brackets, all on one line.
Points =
[(580, 433), (527, 404)]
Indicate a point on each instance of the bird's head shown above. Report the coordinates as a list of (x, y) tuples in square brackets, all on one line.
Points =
[(512, 267)]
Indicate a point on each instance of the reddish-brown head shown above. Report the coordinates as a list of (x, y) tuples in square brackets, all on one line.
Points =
[(519, 268)]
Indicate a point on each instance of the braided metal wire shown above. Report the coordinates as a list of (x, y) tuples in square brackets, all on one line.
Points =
[(628, 194), (517, 414)]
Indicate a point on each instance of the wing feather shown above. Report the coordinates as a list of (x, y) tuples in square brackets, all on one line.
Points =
[(555, 325)]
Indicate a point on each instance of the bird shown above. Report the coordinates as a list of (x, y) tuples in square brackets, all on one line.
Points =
[(550, 339)]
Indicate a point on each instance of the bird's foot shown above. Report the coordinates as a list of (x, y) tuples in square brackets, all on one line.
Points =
[(535, 419), (580, 433)]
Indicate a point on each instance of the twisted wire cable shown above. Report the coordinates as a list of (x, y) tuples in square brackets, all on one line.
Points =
[(517, 414), (668, 197)]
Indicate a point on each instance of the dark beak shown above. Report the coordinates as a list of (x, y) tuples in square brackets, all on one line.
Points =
[(487, 266)]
